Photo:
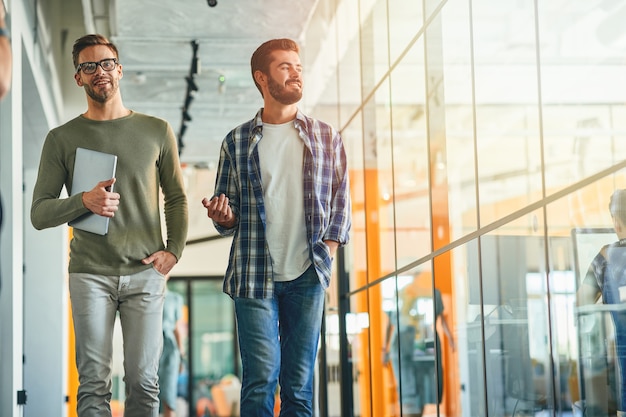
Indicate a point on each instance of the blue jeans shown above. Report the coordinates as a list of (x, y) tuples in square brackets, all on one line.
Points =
[(96, 299), (278, 341)]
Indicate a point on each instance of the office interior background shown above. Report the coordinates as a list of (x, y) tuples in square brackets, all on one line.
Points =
[(484, 139)]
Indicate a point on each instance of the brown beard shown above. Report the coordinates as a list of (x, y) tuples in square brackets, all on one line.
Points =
[(280, 94)]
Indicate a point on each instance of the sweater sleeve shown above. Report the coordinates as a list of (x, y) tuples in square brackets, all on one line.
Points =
[(47, 209), (175, 198)]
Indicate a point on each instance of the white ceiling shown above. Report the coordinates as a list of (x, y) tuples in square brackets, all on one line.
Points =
[(155, 44)]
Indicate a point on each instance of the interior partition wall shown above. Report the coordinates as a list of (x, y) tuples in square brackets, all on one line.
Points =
[(485, 140)]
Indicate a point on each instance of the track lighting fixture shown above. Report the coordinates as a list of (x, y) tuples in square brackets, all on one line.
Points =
[(192, 87), (212, 3), (195, 66), (188, 101), (181, 144)]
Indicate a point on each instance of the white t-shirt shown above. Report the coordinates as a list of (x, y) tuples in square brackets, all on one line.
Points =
[(281, 158)]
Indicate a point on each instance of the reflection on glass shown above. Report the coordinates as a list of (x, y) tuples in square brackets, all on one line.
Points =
[(407, 17), (180, 331), (412, 344), (527, 100), (349, 66), (407, 184), (357, 332), (512, 289), (374, 43), (601, 299), (171, 367), (215, 383)]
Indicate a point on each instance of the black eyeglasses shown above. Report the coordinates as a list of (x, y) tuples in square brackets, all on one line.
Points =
[(89, 68)]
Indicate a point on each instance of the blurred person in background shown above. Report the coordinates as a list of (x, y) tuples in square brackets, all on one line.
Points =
[(606, 280)]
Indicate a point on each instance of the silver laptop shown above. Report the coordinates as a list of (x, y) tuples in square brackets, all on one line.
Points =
[(91, 167)]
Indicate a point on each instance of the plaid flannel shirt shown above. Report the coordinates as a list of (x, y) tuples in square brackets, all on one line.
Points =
[(326, 203)]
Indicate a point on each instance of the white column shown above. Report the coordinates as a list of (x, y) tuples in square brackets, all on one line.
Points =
[(45, 314), (11, 238)]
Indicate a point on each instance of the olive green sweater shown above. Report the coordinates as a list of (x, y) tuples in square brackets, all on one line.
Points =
[(147, 162)]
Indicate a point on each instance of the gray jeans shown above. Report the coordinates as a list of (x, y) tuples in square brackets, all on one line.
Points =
[(96, 299)]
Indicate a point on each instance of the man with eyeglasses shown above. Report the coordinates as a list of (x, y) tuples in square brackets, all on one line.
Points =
[(125, 270)]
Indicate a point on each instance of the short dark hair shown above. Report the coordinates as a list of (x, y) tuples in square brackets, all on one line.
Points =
[(617, 205), (261, 58), (91, 40)]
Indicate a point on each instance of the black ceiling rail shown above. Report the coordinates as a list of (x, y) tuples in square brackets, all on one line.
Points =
[(192, 88)]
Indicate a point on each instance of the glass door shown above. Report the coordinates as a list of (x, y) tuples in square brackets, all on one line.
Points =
[(209, 379)]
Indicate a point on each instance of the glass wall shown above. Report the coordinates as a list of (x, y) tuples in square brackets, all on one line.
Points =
[(485, 139), (209, 378)]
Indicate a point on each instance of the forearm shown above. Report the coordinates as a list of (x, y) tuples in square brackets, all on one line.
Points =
[(177, 223), (176, 206), (49, 211)]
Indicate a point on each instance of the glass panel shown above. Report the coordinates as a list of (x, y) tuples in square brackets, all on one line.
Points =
[(471, 343), (406, 17), (419, 344), (436, 133), (333, 365), (374, 43), (391, 344), (517, 340), (587, 132), (562, 286), (443, 297), (581, 65), (463, 362), (410, 158), (182, 329), (506, 86), (413, 342), (508, 158), (349, 55), (459, 164), (356, 267), (320, 76), (357, 329), (586, 289), (618, 122), (212, 337), (332, 335), (379, 192)]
